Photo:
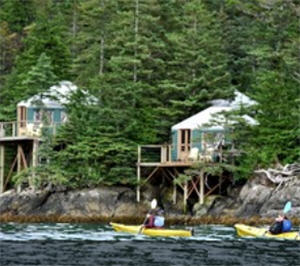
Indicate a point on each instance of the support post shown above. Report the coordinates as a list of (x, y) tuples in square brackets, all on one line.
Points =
[(174, 192), (2, 168), (34, 161), (2, 132), (138, 196), (201, 187), (19, 160), (162, 159), (13, 130), (185, 192), (19, 166)]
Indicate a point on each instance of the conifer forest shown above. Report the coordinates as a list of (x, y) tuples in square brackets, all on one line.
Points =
[(147, 65)]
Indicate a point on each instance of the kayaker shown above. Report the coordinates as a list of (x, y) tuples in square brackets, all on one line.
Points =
[(155, 219), (150, 219), (159, 219), (282, 225)]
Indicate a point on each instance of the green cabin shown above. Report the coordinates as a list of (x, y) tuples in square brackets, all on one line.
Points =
[(193, 137), (46, 110)]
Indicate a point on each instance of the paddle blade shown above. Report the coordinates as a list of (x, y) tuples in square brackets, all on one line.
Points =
[(153, 204), (287, 207)]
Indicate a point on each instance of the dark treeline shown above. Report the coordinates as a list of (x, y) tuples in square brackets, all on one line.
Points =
[(149, 64)]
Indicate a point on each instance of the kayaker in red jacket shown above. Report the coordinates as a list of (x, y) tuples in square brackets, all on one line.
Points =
[(155, 219), (150, 219)]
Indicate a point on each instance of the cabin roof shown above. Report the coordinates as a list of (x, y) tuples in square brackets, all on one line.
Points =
[(201, 118), (55, 97), (206, 116)]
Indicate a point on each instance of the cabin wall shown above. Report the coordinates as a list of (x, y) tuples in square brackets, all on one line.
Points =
[(197, 140), (56, 114), (174, 150)]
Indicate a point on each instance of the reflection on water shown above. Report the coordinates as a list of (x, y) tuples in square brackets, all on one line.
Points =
[(86, 244)]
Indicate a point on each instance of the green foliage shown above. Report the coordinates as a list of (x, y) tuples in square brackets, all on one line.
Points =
[(146, 65)]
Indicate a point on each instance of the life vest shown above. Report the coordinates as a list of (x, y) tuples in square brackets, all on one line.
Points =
[(286, 225), (159, 221)]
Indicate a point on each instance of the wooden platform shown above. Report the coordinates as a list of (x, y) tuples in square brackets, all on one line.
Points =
[(171, 170), (166, 164), (17, 139)]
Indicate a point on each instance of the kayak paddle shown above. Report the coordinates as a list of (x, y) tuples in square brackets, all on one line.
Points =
[(287, 207), (153, 206)]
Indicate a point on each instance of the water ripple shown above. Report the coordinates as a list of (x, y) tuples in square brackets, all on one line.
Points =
[(94, 244)]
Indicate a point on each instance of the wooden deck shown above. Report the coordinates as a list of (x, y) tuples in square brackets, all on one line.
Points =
[(166, 164), (171, 170), (17, 139)]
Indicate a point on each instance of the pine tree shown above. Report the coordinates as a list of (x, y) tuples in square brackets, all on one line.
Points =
[(275, 86), (40, 77)]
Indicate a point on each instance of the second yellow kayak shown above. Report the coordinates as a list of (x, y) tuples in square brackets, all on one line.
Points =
[(245, 230), (134, 229)]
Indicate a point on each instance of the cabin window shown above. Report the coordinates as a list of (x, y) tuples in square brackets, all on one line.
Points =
[(37, 116), (43, 115), (48, 117)]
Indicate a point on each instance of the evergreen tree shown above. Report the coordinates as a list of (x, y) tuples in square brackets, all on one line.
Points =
[(17, 14), (275, 87), (197, 69), (40, 77)]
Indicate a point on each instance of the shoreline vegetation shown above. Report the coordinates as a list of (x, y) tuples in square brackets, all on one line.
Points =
[(181, 220)]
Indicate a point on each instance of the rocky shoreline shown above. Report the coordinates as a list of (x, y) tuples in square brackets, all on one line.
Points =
[(257, 202)]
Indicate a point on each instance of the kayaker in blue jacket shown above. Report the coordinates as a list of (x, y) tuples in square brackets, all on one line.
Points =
[(282, 225), (159, 219)]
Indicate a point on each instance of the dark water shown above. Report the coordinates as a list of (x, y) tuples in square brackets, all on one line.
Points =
[(82, 244)]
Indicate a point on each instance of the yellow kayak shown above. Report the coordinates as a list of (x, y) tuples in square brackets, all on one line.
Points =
[(245, 230), (134, 229)]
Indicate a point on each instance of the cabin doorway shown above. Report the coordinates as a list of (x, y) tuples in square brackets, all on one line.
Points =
[(184, 143)]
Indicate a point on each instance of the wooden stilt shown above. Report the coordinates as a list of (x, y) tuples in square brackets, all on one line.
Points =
[(2, 152), (174, 192), (25, 165), (174, 185), (212, 189), (138, 188), (34, 161), (19, 166), (138, 196), (19, 159), (10, 172), (152, 173), (201, 187), (185, 191)]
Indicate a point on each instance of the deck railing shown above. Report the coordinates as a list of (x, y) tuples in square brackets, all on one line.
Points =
[(154, 153), (25, 128), (8, 129)]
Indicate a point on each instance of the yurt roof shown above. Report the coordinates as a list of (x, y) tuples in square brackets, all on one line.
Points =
[(55, 97), (200, 119), (206, 116)]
